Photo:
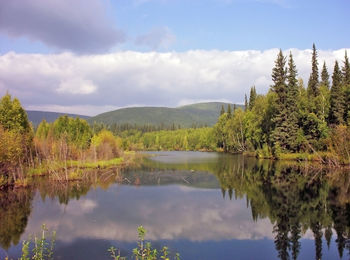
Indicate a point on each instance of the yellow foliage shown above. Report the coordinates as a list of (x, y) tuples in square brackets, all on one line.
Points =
[(105, 145)]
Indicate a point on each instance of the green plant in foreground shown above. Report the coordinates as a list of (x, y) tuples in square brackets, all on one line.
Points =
[(144, 250), (42, 246)]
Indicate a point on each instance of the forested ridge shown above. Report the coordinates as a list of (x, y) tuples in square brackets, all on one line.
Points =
[(291, 121)]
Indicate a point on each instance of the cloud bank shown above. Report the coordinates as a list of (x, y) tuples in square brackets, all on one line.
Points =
[(91, 84), (79, 26)]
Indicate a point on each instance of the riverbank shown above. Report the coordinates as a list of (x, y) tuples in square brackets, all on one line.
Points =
[(70, 170)]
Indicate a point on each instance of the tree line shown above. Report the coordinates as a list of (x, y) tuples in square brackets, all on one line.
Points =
[(51, 146), (292, 118)]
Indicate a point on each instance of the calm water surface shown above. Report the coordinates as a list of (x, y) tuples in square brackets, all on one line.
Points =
[(202, 205)]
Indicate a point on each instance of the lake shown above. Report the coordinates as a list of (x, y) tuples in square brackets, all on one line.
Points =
[(202, 205)]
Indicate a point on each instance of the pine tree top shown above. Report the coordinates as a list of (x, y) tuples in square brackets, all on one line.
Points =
[(346, 70), (252, 97), (279, 72), (229, 109), (337, 76), (222, 110), (324, 76), (313, 80)]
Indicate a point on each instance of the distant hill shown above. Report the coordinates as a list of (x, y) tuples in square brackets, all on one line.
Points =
[(199, 114), (37, 116)]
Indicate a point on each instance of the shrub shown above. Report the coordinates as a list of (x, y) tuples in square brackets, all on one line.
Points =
[(105, 145)]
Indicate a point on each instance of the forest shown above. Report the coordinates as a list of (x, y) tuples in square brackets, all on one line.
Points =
[(291, 121), (60, 148)]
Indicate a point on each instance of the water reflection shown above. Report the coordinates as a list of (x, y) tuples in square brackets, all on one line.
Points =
[(213, 199)]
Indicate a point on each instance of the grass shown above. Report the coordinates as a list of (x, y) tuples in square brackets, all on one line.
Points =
[(42, 248), (51, 166), (96, 165)]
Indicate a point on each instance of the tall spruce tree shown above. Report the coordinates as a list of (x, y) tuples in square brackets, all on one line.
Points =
[(280, 133), (245, 102), (292, 105), (312, 89), (324, 76), (346, 69), (222, 111), (346, 86), (336, 113), (229, 112), (252, 97)]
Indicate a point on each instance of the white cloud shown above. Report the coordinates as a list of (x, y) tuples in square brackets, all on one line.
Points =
[(76, 86), (97, 83)]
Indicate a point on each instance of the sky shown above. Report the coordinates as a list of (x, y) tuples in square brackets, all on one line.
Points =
[(92, 56)]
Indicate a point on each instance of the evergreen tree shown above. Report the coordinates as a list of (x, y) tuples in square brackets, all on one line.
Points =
[(328, 235), (292, 104), (316, 228), (245, 102), (234, 107), (222, 111), (346, 70), (346, 85), (336, 114), (324, 76), (252, 97), (313, 90), (229, 112), (279, 76)]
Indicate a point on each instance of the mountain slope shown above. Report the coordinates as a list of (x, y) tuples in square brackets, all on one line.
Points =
[(197, 114), (37, 116)]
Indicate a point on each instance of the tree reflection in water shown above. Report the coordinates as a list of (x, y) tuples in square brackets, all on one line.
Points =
[(295, 197)]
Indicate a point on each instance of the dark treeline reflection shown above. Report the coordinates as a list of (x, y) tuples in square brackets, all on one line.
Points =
[(15, 207), (295, 197)]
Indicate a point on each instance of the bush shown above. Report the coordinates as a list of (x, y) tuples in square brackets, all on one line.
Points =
[(105, 145), (340, 143)]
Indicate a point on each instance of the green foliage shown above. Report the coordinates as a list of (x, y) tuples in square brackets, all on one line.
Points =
[(222, 111), (43, 248), (15, 135), (291, 106), (182, 139), (229, 112), (289, 117), (252, 97), (11, 148), (324, 76), (12, 115), (105, 145), (340, 143), (346, 86), (281, 129), (144, 250), (75, 131), (312, 89), (337, 102)]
